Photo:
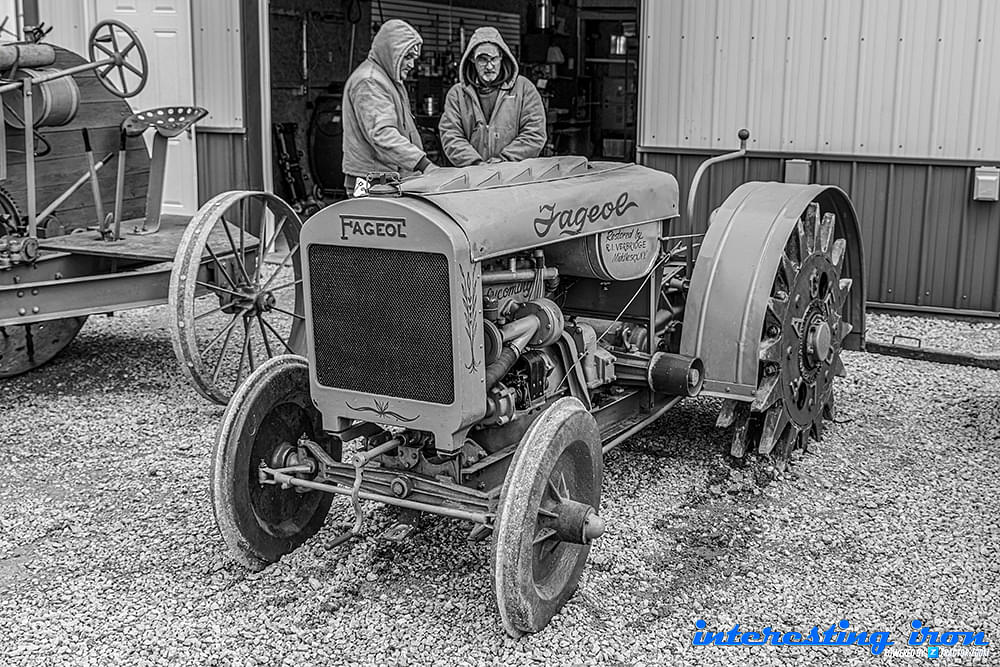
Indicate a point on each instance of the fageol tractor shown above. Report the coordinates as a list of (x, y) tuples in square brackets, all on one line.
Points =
[(476, 339)]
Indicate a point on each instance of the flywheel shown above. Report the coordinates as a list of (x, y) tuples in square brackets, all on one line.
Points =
[(800, 344)]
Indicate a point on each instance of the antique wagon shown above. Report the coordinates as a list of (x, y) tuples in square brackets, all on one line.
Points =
[(478, 338), (78, 238)]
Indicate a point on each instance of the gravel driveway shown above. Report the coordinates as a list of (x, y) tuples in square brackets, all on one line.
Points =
[(109, 553)]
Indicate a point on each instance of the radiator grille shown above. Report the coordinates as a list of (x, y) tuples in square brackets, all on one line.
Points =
[(382, 322)]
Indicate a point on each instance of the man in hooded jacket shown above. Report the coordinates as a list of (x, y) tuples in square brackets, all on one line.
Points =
[(379, 131), (492, 114)]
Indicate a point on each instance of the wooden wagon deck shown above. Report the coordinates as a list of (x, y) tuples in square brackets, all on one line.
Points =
[(160, 246)]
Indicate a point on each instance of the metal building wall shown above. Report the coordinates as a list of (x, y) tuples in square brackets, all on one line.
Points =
[(219, 88), (927, 244), (904, 78), (893, 100)]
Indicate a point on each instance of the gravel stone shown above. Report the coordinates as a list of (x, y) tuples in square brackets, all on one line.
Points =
[(109, 554)]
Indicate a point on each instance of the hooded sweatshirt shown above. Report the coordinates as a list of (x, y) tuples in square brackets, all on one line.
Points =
[(516, 128), (379, 131)]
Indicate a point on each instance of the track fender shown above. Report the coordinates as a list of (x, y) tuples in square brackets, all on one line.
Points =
[(735, 270)]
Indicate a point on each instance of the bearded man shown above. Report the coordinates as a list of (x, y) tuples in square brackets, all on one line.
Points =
[(492, 114)]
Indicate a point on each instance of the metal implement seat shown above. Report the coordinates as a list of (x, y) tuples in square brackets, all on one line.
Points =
[(168, 122)]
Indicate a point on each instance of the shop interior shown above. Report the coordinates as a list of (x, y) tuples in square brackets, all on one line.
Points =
[(582, 55)]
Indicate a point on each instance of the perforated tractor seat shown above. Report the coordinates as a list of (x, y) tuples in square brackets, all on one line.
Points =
[(168, 121)]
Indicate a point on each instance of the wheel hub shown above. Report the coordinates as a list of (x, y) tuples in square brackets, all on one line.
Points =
[(572, 521), (818, 342)]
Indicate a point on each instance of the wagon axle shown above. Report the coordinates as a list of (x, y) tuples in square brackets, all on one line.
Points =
[(247, 301)]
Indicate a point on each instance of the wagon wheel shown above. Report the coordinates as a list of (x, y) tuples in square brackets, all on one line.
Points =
[(260, 523), (547, 516), (800, 345), (24, 347), (230, 310), (105, 43)]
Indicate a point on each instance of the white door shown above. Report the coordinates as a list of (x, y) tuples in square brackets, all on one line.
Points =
[(164, 28)]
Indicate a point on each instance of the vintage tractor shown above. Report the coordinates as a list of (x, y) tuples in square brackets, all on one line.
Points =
[(477, 339)]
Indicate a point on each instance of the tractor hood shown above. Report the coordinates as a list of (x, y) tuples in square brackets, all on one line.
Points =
[(514, 206)]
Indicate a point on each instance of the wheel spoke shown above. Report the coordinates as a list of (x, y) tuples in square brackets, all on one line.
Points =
[(247, 333), (266, 244), (105, 49), (202, 316), (290, 314), (227, 328), (121, 77), (281, 264), (285, 286), (244, 205), (222, 269), (554, 489), (263, 335), (219, 290), (131, 45), (222, 352), (543, 535), (232, 244), (104, 73), (277, 335), (132, 68), (243, 355)]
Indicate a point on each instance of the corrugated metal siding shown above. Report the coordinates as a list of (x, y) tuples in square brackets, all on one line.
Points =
[(902, 78), (926, 242), (222, 163), (218, 64)]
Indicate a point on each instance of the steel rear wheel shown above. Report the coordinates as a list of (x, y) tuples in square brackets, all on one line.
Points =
[(262, 425), (230, 310), (801, 341), (557, 471), (24, 347)]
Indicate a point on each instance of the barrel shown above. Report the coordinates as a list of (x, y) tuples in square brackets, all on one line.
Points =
[(53, 102)]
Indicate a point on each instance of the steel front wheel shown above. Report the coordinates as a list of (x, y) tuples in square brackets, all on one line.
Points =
[(262, 425), (547, 516), (231, 309), (801, 341)]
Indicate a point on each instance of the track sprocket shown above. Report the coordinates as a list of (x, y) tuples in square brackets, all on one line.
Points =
[(801, 340)]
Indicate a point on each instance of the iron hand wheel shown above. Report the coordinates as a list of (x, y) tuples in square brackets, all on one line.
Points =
[(230, 309), (106, 43), (260, 523), (801, 340), (547, 516)]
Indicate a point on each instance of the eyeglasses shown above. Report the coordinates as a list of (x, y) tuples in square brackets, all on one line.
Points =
[(483, 59)]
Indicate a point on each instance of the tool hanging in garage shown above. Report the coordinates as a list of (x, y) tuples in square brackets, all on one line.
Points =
[(291, 170)]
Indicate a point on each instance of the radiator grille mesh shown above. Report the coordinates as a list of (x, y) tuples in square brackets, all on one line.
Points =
[(382, 322)]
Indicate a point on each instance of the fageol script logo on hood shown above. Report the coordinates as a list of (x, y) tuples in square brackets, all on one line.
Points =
[(571, 221)]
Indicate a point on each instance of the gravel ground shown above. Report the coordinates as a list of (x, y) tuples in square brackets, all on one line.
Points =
[(953, 335), (109, 553)]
